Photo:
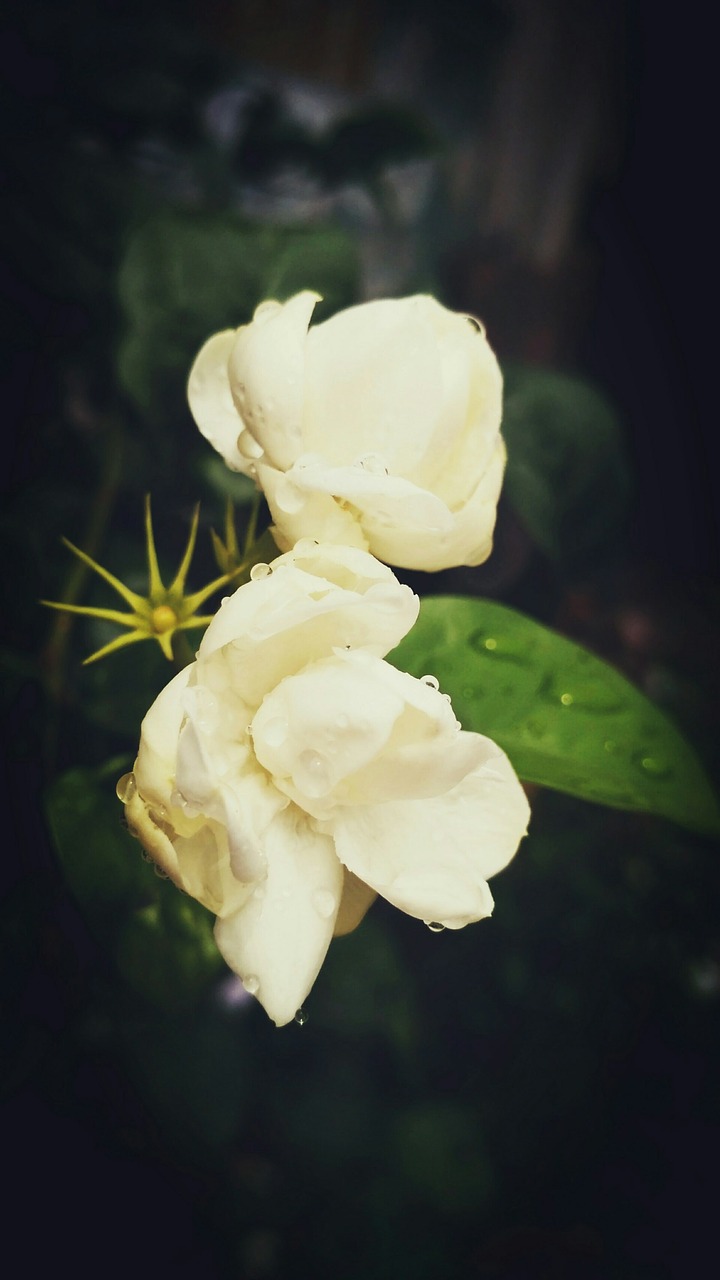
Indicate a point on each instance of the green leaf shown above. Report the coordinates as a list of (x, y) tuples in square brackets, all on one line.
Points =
[(567, 473), (100, 861), (187, 275), (161, 939), (566, 719), (166, 950)]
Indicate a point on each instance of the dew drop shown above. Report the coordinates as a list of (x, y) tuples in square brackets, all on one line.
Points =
[(126, 787), (434, 926), (431, 681), (260, 571), (311, 774), (259, 893), (567, 699), (301, 1017), (373, 463), (275, 731), (159, 818), (251, 984), (289, 498), (325, 903), (610, 746), (476, 325), (501, 648), (655, 767), (160, 873), (248, 445), (146, 857)]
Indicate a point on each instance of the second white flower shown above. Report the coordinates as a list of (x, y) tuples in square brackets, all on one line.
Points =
[(379, 428)]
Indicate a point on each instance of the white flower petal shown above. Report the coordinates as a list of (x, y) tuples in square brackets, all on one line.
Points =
[(371, 370), (155, 765), (211, 402), (431, 858), (267, 369), (357, 898), (376, 495), (300, 513), (276, 625), (323, 724), (468, 542), (278, 940)]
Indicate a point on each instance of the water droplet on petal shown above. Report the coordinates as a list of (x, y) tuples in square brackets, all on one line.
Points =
[(289, 498), (275, 731), (476, 325), (126, 787), (251, 984), (325, 903), (260, 571), (372, 463), (311, 773), (434, 926), (160, 873), (301, 1017), (248, 445), (431, 681)]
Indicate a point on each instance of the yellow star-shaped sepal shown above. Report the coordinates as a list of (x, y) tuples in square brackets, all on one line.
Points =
[(160, 614)]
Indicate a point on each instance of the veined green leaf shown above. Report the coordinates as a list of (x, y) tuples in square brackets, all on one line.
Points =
[(566, 719)]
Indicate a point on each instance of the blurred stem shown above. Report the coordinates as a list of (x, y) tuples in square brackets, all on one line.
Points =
[(54, 656), (183, 652)]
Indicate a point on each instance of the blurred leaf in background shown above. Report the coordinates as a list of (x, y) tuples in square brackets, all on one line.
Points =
[(185, 276), (568, 471)]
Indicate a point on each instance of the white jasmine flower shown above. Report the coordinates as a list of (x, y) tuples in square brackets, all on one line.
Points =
[(289, 774), (379, 428)]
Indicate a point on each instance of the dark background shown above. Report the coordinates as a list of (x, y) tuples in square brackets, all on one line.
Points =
[(540, 1101)]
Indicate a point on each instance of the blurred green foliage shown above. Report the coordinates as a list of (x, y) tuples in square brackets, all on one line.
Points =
[(568, 473), (185, 276)]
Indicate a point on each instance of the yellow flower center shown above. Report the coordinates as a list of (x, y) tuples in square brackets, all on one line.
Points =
[(163, 618)]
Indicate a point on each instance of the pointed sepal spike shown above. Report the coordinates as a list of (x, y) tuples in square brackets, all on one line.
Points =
[(228, 556), (156, 588), (133, 599), (120, 642), (178, 584)]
